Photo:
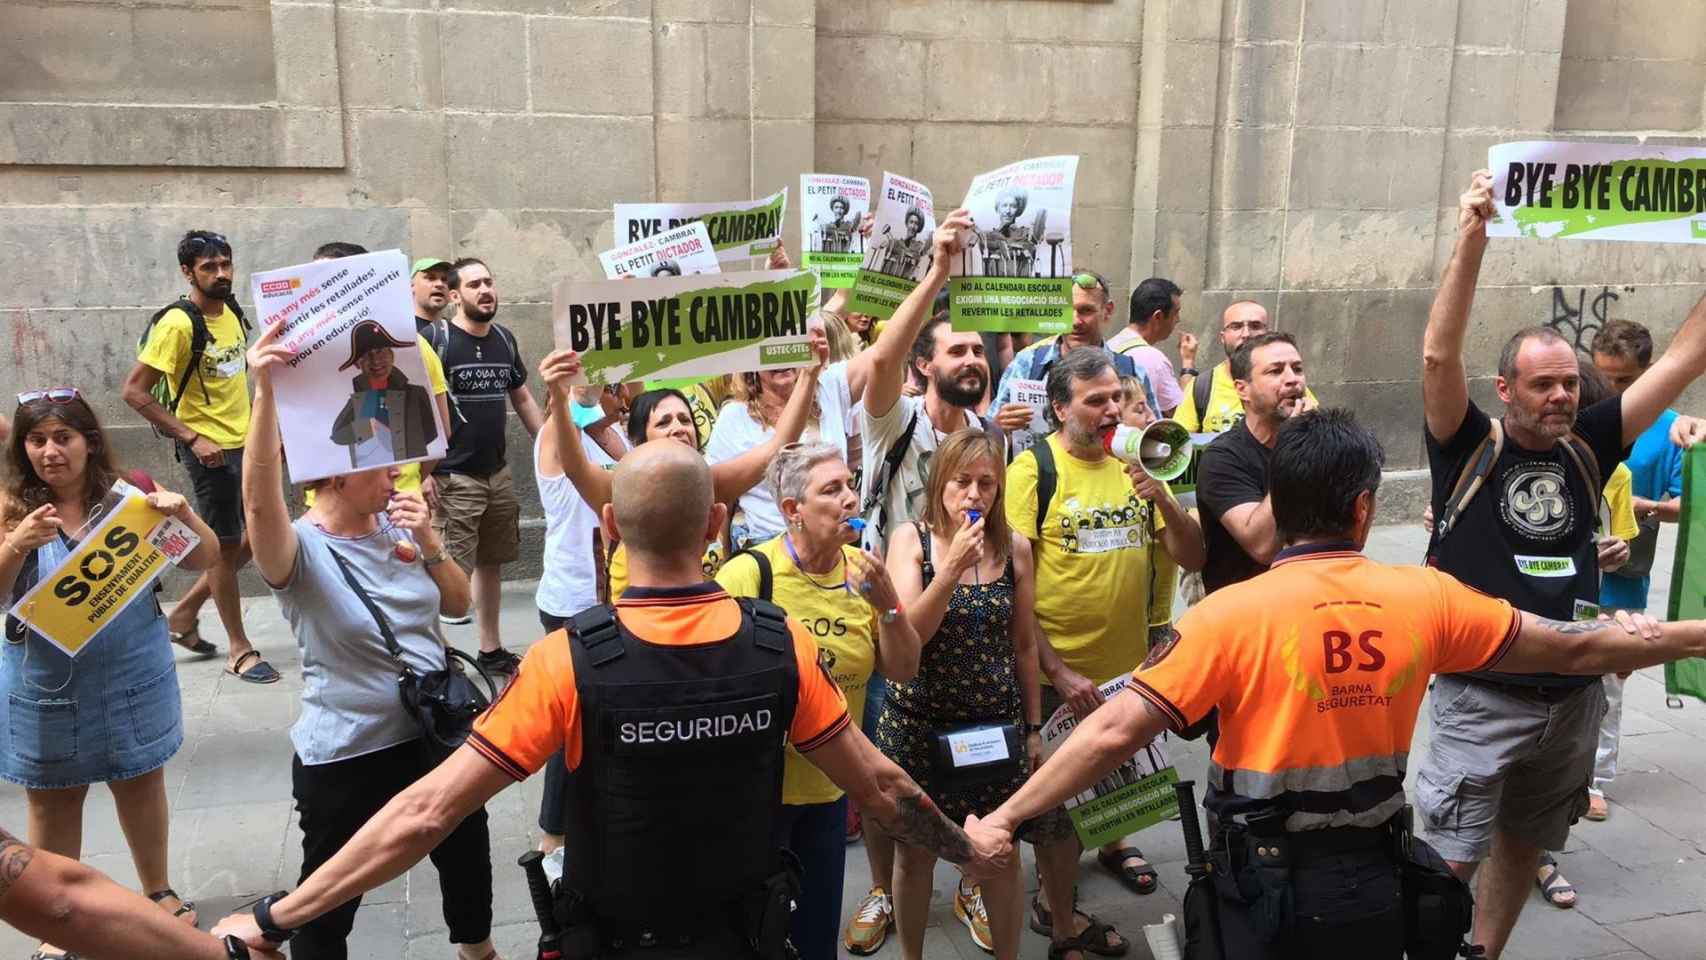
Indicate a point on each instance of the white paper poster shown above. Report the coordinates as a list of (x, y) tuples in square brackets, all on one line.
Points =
[(739, 229), (1016, 270), (686, 250), (1598, 191), (831, 207)]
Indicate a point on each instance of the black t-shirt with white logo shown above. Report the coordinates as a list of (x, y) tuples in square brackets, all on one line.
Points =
[(480, 372), (1528, 535)]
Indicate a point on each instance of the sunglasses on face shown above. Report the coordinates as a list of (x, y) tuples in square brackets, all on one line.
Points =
[(51, 395)]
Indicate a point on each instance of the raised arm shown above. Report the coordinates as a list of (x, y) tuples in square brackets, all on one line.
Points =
[(888, 356), (735, 476), (1594, 647), (1682, 363), (267, 517), (1181, 535), (590, 481), (1445, 382)]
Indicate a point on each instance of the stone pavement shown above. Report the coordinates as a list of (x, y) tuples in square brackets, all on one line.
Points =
[(1641, 875)]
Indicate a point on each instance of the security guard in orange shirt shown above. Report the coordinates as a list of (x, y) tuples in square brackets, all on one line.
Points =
[(1318, 668), (674, 708)]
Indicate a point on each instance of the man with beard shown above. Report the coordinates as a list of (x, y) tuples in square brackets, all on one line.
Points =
[(1210, 401), (195, 349), (1092, 313), (479, 519), (1511, 757), (1232, 474), (429, 282), (1097, 532)]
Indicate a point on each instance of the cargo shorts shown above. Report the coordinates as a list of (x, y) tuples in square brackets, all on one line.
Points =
[(478, 518), (1512, 757)]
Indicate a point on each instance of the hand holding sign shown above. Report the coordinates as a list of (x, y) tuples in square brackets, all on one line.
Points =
[(1475, 206), (173, 505), (40, 526), (950, 238), (779, 259), (1014, 416), (266, 356), (560, 370)]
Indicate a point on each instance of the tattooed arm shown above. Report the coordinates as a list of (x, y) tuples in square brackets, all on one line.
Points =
[(886, 794), (1599, 646), (77, 908)]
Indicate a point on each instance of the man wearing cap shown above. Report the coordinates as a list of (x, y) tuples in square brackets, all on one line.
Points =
[(387, 418), (429, 281)]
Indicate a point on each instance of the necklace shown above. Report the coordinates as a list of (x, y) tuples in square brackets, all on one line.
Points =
[(788, 541)]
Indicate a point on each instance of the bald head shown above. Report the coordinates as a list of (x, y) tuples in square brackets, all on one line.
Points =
[(661, 495), (1240, 322)]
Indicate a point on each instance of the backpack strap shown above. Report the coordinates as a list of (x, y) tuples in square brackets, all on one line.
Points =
[(1201, 389), (874, 499), (1469, 482), (1047, 475), (928, 568), (766, 579), (1581, 454), (769, 625), (198, 345), (440, 341), (596, 631)]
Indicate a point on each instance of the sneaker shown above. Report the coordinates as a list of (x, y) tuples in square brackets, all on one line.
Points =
[(499, 662), (455, 621), (869, 928), (968, 907)]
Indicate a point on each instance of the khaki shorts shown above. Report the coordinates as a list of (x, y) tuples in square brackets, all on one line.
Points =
[(478, 518), (1507, 758)]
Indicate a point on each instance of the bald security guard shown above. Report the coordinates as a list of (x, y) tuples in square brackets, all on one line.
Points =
[(1318, 668), (675, 706)]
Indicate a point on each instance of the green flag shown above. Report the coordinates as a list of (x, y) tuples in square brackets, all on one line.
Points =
[(1688, 578)]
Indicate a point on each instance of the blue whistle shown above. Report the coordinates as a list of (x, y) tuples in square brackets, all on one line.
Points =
[(974, 515), (857, 523)]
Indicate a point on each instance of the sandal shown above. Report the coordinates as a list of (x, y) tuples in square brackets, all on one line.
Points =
[(261, 672), (1553, 886), (184, 906), (1093, 939), (1140, 880), (192, 641)]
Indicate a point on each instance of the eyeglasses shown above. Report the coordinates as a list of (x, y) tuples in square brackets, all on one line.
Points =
[(1089, 281), (51, 395), (1254, 326)]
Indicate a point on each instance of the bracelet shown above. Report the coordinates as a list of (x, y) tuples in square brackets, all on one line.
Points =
[(236, 949), (263, 919)]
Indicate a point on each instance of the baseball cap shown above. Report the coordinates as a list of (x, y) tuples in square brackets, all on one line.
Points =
[(427, 263)]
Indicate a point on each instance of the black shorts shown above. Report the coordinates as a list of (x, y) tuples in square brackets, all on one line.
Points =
[(218, 492)]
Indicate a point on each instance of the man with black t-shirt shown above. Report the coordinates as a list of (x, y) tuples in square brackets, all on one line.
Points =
[(478, 515), (1232, 476), (1508, 767)]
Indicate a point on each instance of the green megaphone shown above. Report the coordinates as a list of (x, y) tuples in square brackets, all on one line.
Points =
[(1162, 449)]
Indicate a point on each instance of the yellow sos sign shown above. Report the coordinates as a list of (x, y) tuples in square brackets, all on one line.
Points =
[(111, 566)]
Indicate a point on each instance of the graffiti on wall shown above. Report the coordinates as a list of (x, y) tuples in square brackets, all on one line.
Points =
[(1577, 317)]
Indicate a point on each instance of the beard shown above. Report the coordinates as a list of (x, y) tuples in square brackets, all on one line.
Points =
[(1537, 421), (962, 392), (479, 314), (218, 289)]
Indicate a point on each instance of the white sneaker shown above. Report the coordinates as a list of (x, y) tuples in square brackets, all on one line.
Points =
[(455, 621)]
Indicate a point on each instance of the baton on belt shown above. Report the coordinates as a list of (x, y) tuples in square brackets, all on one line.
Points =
[(1202, 903), (532, 863)]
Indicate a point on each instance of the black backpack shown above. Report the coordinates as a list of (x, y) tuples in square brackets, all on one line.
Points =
[(169, 394)]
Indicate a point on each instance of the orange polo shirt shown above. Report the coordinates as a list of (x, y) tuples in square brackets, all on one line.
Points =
[(539, 714), (1318, 668)]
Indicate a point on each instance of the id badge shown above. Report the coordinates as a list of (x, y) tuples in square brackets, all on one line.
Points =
[(1585, 610)]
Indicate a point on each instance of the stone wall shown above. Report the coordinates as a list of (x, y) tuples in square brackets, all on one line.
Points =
[(1303, 152)]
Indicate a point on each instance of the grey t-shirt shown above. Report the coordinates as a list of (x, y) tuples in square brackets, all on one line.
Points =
[(350, 705)]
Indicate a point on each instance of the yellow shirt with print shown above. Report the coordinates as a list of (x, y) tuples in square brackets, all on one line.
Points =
[(1620, 503), (409, 474), (845, 627), (1224, 407), (618, 567), (215, 403), (1097, 570)]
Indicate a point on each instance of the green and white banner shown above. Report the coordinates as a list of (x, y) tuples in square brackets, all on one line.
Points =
[(1688, 575), (1598, 191), (667, 328), (738, 228), (1137, 794), (831, 207), (898, 252), (1016, 271)]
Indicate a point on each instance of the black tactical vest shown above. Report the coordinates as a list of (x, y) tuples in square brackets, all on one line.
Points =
[(680, 781)]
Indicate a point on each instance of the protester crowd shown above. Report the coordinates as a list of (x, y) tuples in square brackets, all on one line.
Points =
[(942, 577)]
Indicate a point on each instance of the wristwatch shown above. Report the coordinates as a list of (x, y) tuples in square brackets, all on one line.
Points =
[(263, 919), (236, 949)]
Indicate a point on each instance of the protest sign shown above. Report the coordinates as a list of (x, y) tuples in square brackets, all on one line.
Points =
[(684, 250), (831, 207), (738, 228), (118, 553), (677, 327), (1033, 394), (1016, 271), (1598, 191), (898, 252), (1136, 794), (356, 394), (1688, 575)]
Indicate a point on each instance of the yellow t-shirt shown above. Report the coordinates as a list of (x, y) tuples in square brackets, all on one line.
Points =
[(1620, 503), (409, 474), (1096, 562), (618, 567), (1224, 407), (846, 630), (215, 403)]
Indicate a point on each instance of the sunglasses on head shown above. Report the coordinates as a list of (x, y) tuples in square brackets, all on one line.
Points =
[(50, 395), (1089, 281), (215, 241)]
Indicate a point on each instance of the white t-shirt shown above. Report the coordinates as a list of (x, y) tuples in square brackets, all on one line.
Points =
[(568, 583), (904, 496), (737, 432)]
